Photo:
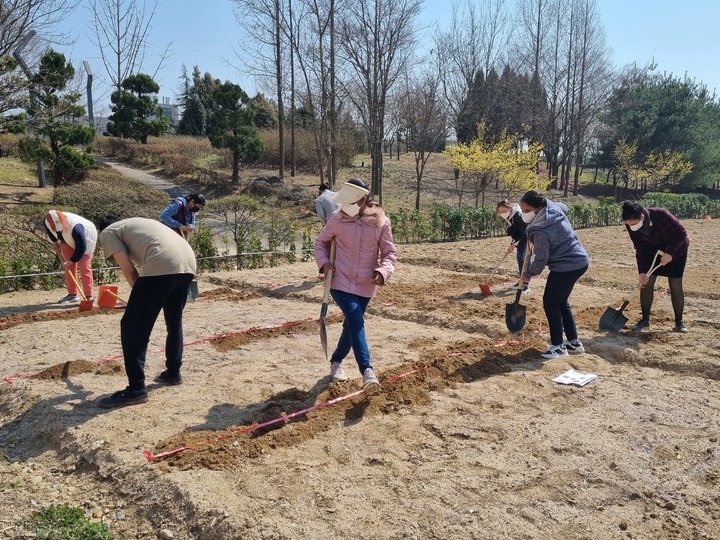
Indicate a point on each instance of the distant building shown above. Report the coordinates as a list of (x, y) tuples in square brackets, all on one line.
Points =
[(170, 111)]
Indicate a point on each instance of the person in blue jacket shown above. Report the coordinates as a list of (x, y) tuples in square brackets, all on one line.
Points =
[(179, 215), (555, 245)]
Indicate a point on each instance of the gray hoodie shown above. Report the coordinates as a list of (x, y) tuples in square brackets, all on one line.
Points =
[(555, 243)]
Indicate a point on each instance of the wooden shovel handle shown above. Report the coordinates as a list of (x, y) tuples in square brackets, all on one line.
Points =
[(329, 273), (528, 248), (71, 274), (116, 296), (654, 266), (649, 273)]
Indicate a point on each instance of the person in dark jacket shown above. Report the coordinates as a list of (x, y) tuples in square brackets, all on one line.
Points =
[(512, 215), (653, 229), (555, 245), (179, 215)]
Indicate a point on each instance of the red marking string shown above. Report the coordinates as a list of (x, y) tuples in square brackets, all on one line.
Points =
[(151, 457)]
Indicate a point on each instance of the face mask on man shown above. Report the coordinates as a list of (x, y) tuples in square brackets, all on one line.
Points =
[(637, 226), (351, 210), (528, 217), (195, 209)]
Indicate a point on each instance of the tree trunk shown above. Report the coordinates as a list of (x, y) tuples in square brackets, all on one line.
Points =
[(333, 119), (293, 143), (278, 75), (235, 167)]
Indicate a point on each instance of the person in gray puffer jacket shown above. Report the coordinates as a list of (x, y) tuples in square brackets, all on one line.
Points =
[(555, 245)]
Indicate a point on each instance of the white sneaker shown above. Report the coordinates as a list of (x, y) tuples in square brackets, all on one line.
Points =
[(555, 351), (337, 373), (370, 381), (574, 347)]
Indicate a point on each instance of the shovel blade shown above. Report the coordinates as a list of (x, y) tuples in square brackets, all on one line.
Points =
[(485, 289), (515, 317), (192, 291), (86, 305), (613, 319)]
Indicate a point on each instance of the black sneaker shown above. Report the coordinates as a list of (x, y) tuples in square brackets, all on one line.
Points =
[(681, 327), (124, 398), (167, 378), (640, 325), (69, 299)]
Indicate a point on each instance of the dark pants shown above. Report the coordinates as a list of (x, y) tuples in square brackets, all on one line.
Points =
[(150, 295), (520, 249), (555, 301)]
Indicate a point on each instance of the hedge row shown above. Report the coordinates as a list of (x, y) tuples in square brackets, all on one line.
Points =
[(450, 223)]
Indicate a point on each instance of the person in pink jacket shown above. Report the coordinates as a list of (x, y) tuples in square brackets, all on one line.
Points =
[(365, 258)]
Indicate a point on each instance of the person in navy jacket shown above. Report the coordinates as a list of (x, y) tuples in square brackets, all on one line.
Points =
[(179, 215)]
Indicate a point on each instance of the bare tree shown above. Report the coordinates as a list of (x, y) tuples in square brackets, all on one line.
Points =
[(310, 44), (265, 23), (18, 17), (424, 117), (122, 29), (378, 39), (594, 79)]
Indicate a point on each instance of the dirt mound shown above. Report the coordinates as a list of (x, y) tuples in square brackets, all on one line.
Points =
[(40, 316), (239, 339), (440, 367), (76, 367), (227, 293)]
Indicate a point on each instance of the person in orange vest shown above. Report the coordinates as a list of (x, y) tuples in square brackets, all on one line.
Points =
[(75, 238)]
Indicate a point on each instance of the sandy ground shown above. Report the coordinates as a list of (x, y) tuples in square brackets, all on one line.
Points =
[(475, 442)]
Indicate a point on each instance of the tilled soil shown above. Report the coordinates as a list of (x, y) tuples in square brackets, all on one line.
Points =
[(467, 438)]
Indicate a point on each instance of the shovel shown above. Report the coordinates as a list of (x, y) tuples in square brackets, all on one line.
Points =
[(613, 319), (85, 304), (485, 287), (326, 296), (108, 295), (515, 313), (193, 290)]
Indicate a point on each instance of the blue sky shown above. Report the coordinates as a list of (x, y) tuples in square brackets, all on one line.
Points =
[(680, 35)]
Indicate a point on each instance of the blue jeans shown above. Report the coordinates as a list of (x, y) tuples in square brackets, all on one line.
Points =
[(353, 329)]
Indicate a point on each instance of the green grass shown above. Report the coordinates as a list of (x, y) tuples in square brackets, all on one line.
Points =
[(16, 173), (65, 522)]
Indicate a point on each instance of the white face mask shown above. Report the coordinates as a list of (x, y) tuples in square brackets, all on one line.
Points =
[(351, 210), (528, 217), (637, 226), (505, 215)]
